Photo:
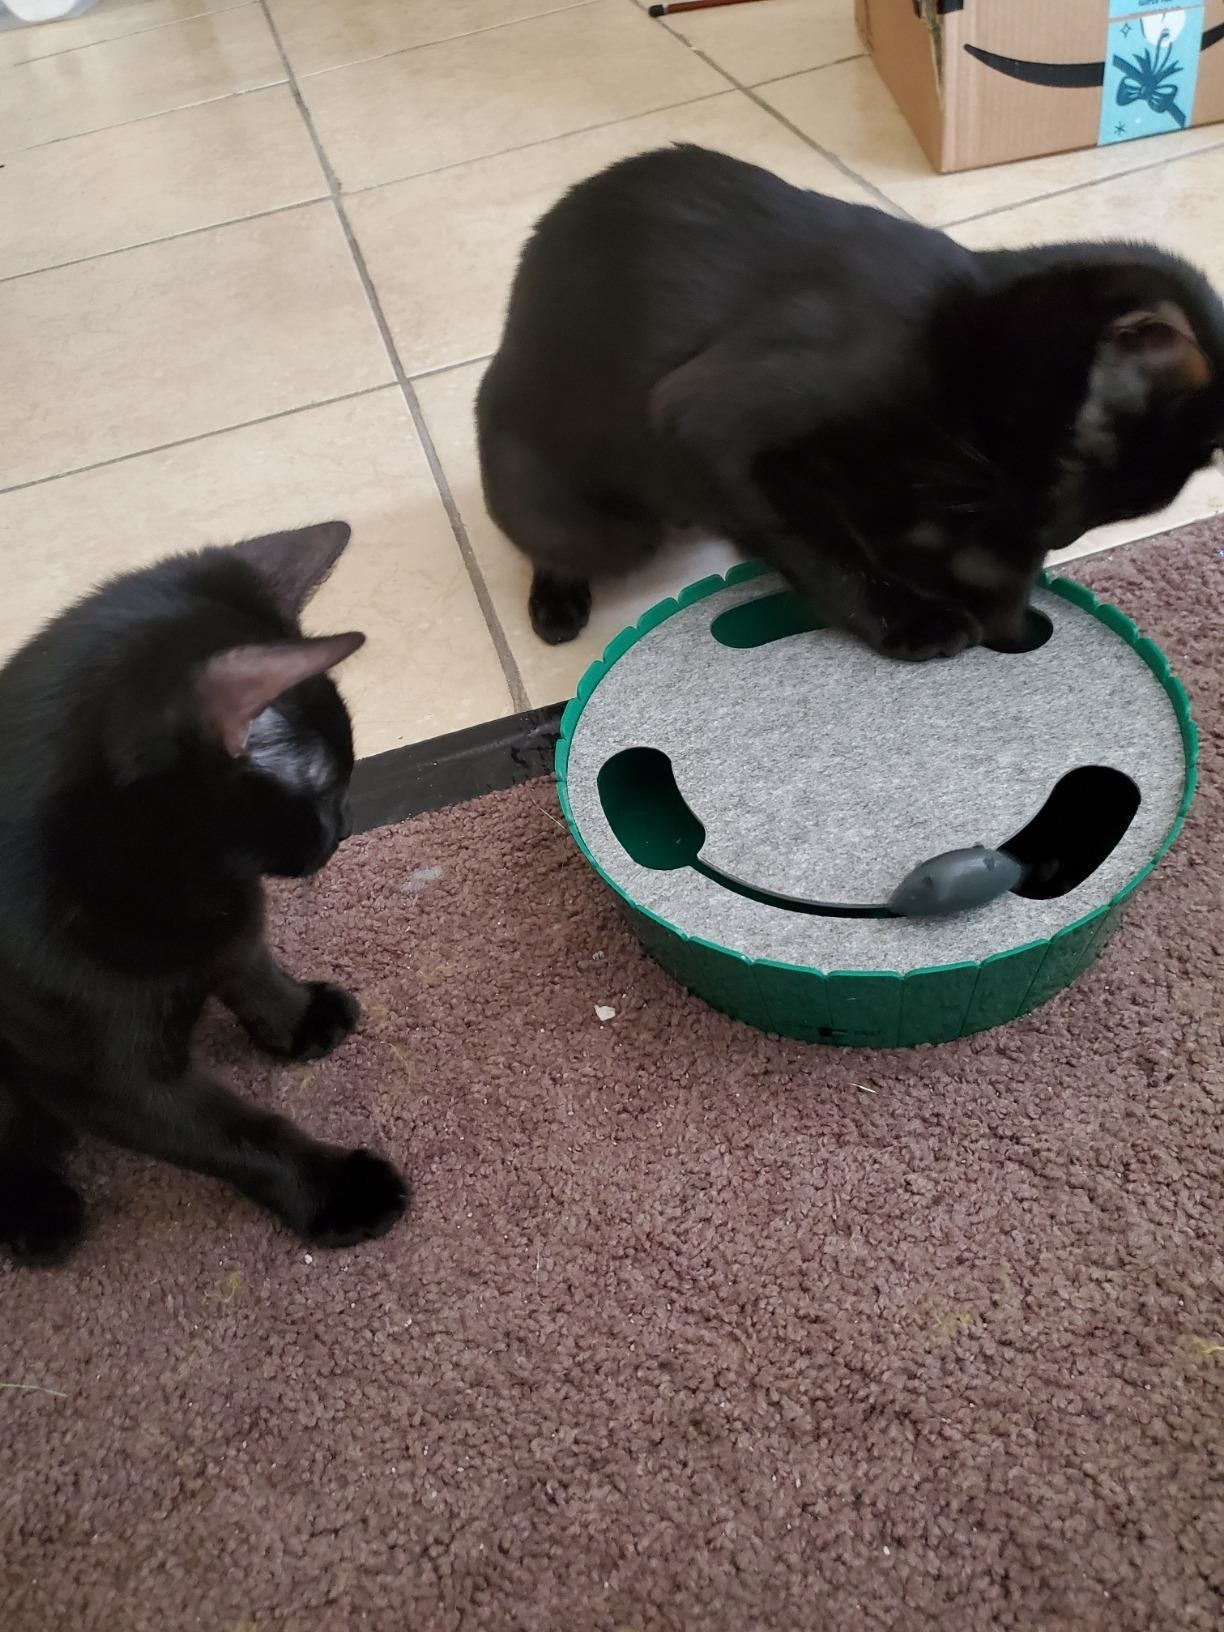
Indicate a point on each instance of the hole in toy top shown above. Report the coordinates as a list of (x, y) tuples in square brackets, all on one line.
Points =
[(768, 618), (764, 620), (1079, 826), (1037, 630)]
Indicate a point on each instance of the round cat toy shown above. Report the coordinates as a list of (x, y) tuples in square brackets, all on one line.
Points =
[(844, 849)]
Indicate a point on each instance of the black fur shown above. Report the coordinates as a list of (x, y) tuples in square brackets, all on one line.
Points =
[(902, 426), (163, 746)]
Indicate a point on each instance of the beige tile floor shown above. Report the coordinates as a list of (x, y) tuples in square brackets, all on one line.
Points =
[(253, 257)]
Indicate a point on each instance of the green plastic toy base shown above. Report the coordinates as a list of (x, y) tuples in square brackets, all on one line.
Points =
[(860, 1009)]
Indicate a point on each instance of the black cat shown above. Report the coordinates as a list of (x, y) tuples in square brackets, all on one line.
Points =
[(164, 745), (903, 427)]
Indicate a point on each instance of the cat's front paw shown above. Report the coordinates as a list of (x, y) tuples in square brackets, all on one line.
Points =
[(360, 1196), (42, 1217), (941, 632), (330, 1016), (559, 608)]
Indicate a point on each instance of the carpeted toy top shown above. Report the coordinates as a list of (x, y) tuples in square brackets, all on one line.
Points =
[(774, 800)]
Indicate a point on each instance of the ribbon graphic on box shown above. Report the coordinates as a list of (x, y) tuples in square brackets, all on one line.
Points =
[(1150, 71), (1150, 79)]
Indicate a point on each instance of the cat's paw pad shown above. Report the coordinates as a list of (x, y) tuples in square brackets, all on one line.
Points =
[(942, 632), (42, 1217), (330, 1016), (362, 1196), (559, 610)]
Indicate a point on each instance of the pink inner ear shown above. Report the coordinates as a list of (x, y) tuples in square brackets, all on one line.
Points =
[(1164, 343), (234, 687)]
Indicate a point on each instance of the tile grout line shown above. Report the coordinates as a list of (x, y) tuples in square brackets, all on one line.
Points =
[(1083, 186), (166, 238), (540, 141), (446, 39), (292, 81), (373, 186), (238, 5), (449, 368), (881, 198), (731, 85), (816, 68), (8, 153), (370, 391), (878, 193), (132, 34), (403, 380), (510, 669), (200, 436), (978, 215)]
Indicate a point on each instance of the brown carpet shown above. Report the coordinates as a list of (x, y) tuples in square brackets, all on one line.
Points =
[(691, 1329)]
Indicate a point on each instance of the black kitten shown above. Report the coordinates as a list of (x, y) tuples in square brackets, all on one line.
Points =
[(901, 426), (164, 745)]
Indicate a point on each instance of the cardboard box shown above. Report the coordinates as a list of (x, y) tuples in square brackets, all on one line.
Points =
[(986, 81)]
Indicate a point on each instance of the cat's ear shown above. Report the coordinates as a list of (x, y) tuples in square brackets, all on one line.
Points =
[(292, 565), (1148, 355), (233, 688)]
